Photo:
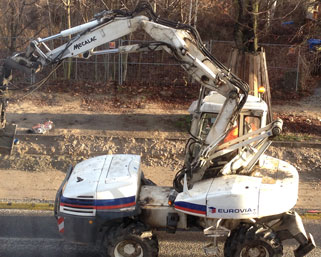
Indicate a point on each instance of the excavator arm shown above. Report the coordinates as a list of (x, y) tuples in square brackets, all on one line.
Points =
[(180, 40)]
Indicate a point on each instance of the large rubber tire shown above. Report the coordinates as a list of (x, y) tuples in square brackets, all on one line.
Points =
[(252, 241), (127, 241)]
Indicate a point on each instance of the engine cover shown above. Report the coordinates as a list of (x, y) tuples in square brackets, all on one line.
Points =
[(271, 189), (102, 185)]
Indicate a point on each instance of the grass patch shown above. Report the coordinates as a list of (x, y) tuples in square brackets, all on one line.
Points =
[(298, 137)]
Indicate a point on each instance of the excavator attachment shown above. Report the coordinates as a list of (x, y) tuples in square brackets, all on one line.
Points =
[(7, 131), (7, 135), (27, 66), (17, 62)]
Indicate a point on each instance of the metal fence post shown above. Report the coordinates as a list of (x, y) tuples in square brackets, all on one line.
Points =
[(96, 68), (297, 72), (76, 69), (120, 68)]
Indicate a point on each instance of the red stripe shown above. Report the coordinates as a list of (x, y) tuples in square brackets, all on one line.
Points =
[(99, 207), (62, 230), (61, 220), (115, 206), (77, 206), (189, 210)]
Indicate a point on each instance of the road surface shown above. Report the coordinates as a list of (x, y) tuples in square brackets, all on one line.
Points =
[(34, 234)]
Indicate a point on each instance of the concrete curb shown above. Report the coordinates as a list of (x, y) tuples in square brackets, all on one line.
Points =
[(49, 206), (309, 214), (31, 206)]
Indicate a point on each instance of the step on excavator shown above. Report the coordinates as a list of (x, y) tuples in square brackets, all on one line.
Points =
[(228, 187)]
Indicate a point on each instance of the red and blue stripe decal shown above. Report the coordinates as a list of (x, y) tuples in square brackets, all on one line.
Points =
[(98, 204), (191, 207)]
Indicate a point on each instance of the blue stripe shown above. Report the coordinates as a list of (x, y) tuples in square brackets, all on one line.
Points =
[(109, 202), (192, 206), (77, 201)]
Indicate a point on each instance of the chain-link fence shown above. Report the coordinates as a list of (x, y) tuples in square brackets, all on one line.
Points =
[(285, 66), (284, 63)]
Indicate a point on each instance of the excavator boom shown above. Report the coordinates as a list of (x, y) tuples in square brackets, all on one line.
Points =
[(179, 40)]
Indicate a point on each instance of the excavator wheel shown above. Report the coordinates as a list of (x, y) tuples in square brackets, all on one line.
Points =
[(133, 240), (249, 240)]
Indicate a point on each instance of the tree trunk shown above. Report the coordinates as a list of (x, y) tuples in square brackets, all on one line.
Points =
[(270, 14), (51, 33), (190, 12), (255, 7), (243, 29), (252, 69), (69, 26), (155, 6), (196, 10), (67, 4), (125, 60), (12, 35)]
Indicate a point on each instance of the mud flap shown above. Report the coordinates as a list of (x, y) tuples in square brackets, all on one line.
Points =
[(291, 226), (304, 249), (7, 135)]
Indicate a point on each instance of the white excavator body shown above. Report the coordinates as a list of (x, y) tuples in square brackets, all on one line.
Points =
[(227, 186)]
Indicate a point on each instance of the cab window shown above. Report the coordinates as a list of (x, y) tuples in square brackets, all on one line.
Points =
[(251, 123), (207, 121)]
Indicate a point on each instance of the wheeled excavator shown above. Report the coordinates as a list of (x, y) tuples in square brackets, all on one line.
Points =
[(228, 187)]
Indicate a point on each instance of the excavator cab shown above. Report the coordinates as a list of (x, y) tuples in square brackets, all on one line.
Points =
[(252, 117), (204, 114)]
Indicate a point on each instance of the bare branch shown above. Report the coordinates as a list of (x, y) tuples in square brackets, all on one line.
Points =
[(104, 4)]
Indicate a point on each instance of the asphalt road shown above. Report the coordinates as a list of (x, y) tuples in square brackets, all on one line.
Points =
[(34, 234)]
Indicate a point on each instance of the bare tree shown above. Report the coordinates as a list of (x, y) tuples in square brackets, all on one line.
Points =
[(18, 18), (244, 27), (67, 4), (256, 17)]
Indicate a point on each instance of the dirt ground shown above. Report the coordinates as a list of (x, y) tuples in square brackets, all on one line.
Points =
[(107, 124)]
